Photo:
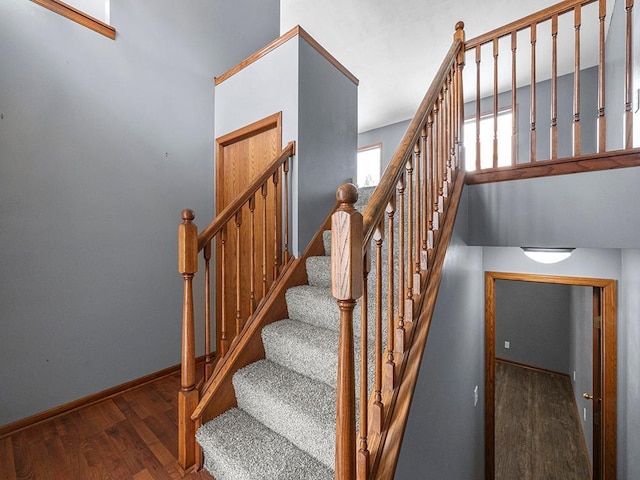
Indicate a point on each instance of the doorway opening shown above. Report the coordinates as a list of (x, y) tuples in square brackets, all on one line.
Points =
[(604, 367)]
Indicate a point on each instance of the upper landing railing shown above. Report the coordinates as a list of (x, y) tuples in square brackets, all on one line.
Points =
[(542, 89)]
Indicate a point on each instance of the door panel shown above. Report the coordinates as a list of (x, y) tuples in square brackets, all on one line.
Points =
[(241, 157)]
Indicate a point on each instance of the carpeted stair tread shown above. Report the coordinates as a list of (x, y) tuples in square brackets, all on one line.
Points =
[(315, 305), (297, 407), (238, 447), (319, 271), (309, 350)]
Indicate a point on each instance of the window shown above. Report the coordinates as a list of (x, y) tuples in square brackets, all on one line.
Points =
[(368, 165), (93, 14), (486, 140)]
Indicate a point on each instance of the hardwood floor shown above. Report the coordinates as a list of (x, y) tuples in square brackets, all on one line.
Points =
[(132, 435), (538, 433)]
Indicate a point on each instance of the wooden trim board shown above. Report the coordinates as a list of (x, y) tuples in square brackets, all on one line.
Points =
[(78, 16), (11, 428), (295, 31), (609, 371)]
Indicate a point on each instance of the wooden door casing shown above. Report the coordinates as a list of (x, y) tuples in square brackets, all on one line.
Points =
[(607, 289), (242, 156)]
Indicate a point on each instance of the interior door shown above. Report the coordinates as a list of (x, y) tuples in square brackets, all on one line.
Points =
[(596, 395), (242, 156)]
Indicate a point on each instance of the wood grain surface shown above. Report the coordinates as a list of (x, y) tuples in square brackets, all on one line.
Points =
[(538, 433)]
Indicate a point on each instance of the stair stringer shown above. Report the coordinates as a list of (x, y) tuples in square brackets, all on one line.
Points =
[(218, 395), (387, 445)]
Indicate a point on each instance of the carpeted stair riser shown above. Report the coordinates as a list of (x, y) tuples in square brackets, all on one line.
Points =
[(295, 406), (238, 447), (311, 351)]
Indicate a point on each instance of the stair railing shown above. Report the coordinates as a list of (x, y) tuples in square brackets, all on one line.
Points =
[(530, 46), (271, 186), (405, 212)]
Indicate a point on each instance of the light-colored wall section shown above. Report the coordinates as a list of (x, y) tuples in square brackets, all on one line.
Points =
[(534, 319), (389, 136), (629, 366), (595, 210), (319, 111), (444, 437), (581, 356), (102, 144), (327, 139)]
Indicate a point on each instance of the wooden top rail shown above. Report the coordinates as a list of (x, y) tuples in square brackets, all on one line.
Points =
[(525, 22), (230, 210), (377, 204)]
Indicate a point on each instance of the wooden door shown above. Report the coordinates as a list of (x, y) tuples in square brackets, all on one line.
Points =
[(596, 395), (242, 156)]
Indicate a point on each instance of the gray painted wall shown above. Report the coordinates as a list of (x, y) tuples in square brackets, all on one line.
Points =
[(595, 210), (102, 144), (328, 138), (629, 366), (389, 136), (581, 356), (534, 319), (319, 112), (445, 432)]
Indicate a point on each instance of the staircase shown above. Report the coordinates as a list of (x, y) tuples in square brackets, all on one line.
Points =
[(285, 424)]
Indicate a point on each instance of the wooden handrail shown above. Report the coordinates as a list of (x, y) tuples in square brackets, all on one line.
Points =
[(374, 211), (190, 244), (413, 192), (525, 22), (230, 210)]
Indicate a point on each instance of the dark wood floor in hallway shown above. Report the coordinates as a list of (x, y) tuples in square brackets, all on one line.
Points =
[(132, 435), (538, 432)]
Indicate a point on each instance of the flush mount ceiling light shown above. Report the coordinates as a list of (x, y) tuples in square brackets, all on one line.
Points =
[(547, 255)]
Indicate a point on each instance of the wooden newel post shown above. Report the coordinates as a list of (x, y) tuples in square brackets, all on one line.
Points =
[(188, 395), (346, 287)]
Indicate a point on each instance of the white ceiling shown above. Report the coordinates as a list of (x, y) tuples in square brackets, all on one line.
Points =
[(395, 47)]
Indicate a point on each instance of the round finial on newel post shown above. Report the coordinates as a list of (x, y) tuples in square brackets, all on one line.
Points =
[(347, 194), (187, 215), (460, 25)]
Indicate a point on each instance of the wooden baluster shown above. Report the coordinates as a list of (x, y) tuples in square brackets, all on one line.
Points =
[(602, 123), (514, 94), (554, 88), (408, 308), (478, 58), (424, 200), (432, 201), (264, 239), (577, 21), (346, 286), (418, 214), (533, 93), (224, 341), (389, 368), (363, 452), (188, 395), (377, 413), (276, 212), (252, 264), (400, 332), (440, 154), (238, 222), (628, 82), (460, 62), (208, 356), (285, 199), (449, 128), (495, 103)]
